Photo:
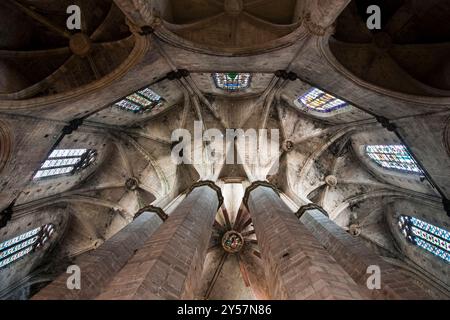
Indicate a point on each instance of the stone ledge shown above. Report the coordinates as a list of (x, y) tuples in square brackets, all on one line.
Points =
[(310, 206), (255, 185), (160, 212), (210, 184)]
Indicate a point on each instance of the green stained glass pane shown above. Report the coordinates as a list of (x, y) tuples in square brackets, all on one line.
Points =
[(232, 75)]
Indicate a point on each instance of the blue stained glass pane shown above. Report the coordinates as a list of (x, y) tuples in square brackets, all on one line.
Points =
[(140, 101), (426, 236), (433, 249), (430, 238), (320, 101), (17, 247), (430, 228), (18, 239), (15, 257), (232, 81), (65, 161), (394, 157)]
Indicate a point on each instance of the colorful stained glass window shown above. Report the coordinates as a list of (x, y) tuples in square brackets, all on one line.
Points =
[(395, 157), (426, 236), (65, 162), (141, 101), (18, 247), (232, 81), (320, 101)]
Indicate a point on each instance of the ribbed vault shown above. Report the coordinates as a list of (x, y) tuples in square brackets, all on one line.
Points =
[(393, 81)]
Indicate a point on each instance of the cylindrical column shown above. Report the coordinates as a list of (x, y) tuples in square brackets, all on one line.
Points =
[(99, 266), (169, 265), (355, 258), (296, 264)]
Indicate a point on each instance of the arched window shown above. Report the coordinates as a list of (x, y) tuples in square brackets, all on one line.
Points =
[(65, 162), (232, 81), (422, 234), (320, 101), (18, 247), (394, 157), (141, 101)]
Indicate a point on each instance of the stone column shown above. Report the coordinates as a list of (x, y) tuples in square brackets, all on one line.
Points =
[(98, 267), (169, 265), (355, 257), (297, 266)]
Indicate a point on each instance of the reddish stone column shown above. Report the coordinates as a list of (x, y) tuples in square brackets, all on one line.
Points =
[(169, 265), (297, 266), (355, 257), (99, 266)]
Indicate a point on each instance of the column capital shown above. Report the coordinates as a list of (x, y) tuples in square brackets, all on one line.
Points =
[(210, 184), (160, 212), (310, 206), (257, 184)]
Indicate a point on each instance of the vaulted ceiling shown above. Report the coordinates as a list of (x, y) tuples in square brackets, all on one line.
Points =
[(396, 81)]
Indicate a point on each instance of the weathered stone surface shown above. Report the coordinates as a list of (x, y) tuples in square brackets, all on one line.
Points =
[(98, 267), (355, 257), (170, 263), (296, 264)]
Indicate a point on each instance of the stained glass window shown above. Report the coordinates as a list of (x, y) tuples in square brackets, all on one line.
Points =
[(320, 101), (18, 247), (141, 101), (395, 157), (426, 236), (65, 162), (232, 81)]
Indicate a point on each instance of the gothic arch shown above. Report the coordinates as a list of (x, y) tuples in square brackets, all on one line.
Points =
[(70, 198), (397, 47), (446, 136), (359, 84), (383, 193), (265, 33), (5, 144), (138, 52)]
